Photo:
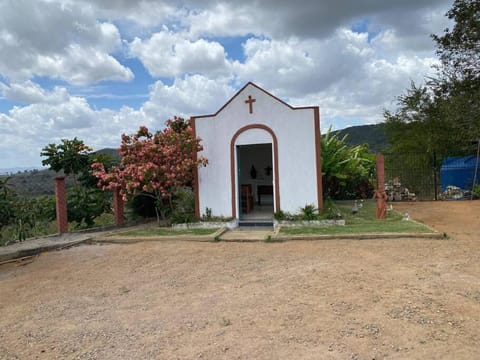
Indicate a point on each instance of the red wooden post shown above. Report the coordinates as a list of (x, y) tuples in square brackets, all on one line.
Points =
[(61, 204), (118, 207), (380, 194), (380, 172)]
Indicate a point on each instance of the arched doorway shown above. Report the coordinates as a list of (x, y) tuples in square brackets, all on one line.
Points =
[(255, 182), (254, 173)]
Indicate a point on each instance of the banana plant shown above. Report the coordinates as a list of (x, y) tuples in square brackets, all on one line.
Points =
[(344, 167)]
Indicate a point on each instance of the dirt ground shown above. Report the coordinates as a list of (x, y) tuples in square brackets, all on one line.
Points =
[(332, 299)]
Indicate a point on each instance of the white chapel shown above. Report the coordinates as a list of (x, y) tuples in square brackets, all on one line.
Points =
[(263, 156)]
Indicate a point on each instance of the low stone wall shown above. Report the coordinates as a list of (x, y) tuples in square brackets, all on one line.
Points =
[(309, 223), (207, 225)]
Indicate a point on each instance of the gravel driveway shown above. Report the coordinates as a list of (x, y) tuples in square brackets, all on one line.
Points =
[(345, 299)]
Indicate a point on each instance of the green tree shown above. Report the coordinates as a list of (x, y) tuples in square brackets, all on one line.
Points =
[(420, 124), (71, 156), (458, 48), (33, 216), (22, 217), (84, 204), (7, 201), (347, 170), (443, 115)]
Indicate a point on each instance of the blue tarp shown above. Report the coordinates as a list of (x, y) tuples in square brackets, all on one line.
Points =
[(458, 171)]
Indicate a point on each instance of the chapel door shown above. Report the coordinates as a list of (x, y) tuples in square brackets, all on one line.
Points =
[(255, 181)]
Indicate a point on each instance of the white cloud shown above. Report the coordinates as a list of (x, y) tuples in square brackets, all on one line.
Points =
[(172, 54), (224, 19), (28, 92), (276, 65), (309, 19), (42, 119), (31, 127), (194, 95), (298, 67), (64, 41), (144, 13), (83, 66), (28, 129)]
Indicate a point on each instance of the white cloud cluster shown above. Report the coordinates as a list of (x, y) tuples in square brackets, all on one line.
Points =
[(57, 40), (172, 54), (194, 95), (31, 93), (351, 58)]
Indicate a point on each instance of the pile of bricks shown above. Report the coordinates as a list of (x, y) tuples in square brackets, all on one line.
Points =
[(397, 192)]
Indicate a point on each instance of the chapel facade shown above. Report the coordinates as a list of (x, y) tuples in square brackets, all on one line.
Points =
[(264, 156)]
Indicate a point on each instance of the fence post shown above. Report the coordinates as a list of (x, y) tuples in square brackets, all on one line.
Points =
[(61, 204), (118, 207), (435, 175), (380, 194)]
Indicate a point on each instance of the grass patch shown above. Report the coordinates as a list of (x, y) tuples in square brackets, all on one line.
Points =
[(362, 222), (167, 232)]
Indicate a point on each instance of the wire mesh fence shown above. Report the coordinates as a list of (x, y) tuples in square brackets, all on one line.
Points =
[(411, 176), (425, 176)]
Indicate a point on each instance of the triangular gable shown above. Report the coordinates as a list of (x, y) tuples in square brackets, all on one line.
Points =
[(262, 90)]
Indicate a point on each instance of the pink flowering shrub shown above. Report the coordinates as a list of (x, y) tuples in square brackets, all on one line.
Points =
[(154, 164)]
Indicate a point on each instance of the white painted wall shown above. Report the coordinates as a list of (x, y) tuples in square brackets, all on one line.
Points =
[(295, 131)]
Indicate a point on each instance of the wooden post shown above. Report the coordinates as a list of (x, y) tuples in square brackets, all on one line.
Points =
[(61, 204), (380, 194), (118, 207), (380, 172)]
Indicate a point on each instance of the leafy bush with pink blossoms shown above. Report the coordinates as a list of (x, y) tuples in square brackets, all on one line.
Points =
[(155, 164)]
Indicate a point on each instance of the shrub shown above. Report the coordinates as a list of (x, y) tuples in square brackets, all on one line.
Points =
[(309, 212), (85, 204), (476, 191), (105, 219), (280, 215), (208, 214), (7, 200), (331, 211), (284, 215), (183, 206)]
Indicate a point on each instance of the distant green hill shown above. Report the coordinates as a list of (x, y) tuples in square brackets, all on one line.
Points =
[(35, 182), (373, 135), (112, 152), (40, 182)]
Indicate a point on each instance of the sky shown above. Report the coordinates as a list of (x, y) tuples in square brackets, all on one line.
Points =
[(94, 69)]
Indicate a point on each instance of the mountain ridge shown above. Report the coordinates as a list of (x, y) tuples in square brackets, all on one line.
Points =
[(373, 134)]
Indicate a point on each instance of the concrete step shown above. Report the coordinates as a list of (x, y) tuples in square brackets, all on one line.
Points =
[(262, 224), (246, 234)]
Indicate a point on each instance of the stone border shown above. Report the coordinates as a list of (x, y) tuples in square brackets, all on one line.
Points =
[(276, 223), (309, 223), (207, 225), (119, 239), (360, 236)]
